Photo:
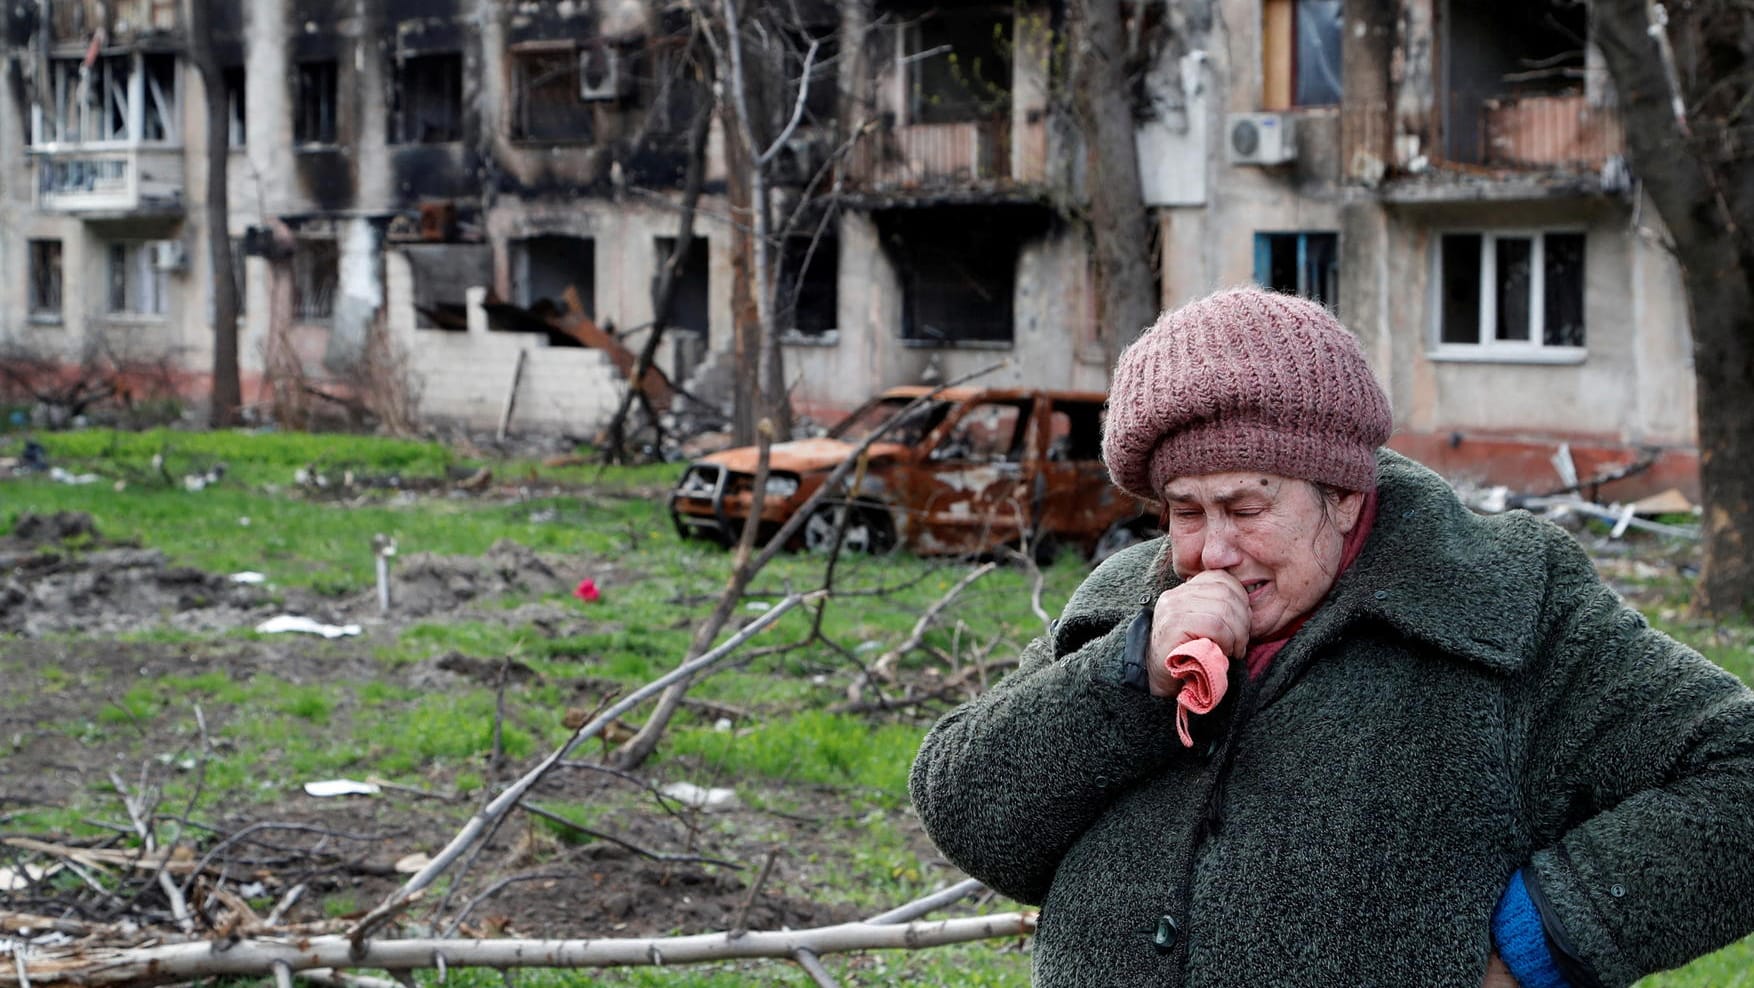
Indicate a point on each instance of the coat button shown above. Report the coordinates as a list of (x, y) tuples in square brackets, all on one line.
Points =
[(1164, 939), (1382, 595), (1617, 890)]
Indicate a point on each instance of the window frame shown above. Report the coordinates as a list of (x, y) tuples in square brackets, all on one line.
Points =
[(144, 287), (408, 101), (316, 79), (1488, 347), (37, 251), (1331, 277)]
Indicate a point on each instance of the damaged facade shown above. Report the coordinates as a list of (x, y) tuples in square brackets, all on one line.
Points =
[(1447, 176)]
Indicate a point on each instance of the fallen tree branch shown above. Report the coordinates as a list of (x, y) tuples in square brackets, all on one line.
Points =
[(884, 667), (502, 804), (140, 967)]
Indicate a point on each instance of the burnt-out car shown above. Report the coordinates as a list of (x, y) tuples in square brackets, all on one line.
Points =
[(966, 470)]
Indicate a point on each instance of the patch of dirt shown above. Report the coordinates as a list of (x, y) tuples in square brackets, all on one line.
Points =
[(59, 575)]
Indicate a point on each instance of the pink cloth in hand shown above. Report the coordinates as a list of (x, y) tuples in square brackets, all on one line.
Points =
[(1203, 670)]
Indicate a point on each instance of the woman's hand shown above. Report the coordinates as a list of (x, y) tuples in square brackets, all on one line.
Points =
[(1211, 605), (1497, 975)]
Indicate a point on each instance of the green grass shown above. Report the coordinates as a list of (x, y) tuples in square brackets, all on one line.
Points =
[(271, 734)]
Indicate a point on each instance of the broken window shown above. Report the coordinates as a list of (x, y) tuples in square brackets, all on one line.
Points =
[(428, 99), (673, 84), (442, 275), (1075, 431), (809, 294), (1300, 49), (316, 276), (313, 119), (122, 98), (1499, 53), (159, 112), (543, 268), (548, 107), (690, 309), (138, 277), (235, 101), (1306, 264), (1511, 291), (960, 65), (45, 279), (991, 432), (958, 271)]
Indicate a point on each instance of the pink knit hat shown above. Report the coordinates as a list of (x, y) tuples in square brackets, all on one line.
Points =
[(1244, 379)]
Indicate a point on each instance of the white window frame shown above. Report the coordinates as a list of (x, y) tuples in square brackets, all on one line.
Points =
[(145, 285), (82, 103), (1535, 349)]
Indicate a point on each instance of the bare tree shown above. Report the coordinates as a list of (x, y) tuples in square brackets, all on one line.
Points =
[(227, 392), (1684, 75)]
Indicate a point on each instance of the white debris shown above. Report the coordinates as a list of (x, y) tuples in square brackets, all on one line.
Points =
[(76, 479), (722, 725), (700, 798), (249, 576), (303, 625), (341, 787), (411, 864)]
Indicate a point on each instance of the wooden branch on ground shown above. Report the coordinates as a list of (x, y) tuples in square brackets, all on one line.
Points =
[(884, 667), (140, 967), (502, 804)]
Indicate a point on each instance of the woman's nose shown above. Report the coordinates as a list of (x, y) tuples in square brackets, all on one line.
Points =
[(1219, 550)]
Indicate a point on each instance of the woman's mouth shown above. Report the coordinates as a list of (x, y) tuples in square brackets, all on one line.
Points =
[(1254, 588)]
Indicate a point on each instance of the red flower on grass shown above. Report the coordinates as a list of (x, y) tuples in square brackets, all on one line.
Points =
[(587, 591)]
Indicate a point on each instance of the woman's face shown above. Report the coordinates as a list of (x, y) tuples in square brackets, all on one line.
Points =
[(1281, 539)]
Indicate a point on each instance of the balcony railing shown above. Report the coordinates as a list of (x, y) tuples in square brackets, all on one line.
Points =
[(1513, 136), (127, 180), (931, 157), (77, 20)]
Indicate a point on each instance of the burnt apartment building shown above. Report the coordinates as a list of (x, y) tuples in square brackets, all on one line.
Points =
[(1448, 176)]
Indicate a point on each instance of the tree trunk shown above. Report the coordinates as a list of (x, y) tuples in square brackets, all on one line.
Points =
[(227, 396), (1126, 298), (1704, 201), (745, 315)]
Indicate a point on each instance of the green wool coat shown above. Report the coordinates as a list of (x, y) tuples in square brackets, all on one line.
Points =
[(1470, 699)]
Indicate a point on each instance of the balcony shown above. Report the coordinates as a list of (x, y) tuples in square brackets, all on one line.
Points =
[(118, 182), (1503, 147), (941, 159), (75, 21)]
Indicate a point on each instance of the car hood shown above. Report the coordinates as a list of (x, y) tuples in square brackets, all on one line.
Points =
[(798, 456)]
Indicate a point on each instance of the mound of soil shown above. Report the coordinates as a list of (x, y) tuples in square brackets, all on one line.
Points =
[(426, 583), (51, 583)]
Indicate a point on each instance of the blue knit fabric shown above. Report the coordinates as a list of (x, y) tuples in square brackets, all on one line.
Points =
[(1522, 941)]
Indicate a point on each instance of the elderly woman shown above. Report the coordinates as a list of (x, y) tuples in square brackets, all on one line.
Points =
[(1445, 754)]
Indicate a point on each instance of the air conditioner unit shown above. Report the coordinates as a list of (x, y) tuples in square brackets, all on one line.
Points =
[(169, 255), (602, 76), (1262, 138)]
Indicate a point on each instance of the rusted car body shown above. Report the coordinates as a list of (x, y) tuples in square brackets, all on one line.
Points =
[(963, 471)]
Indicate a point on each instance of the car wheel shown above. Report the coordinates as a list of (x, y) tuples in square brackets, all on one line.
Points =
[(869, 529)]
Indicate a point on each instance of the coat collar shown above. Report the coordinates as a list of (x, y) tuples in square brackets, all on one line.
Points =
[(1434, 572)]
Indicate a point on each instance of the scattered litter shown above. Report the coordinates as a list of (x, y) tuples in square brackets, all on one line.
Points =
[(252, 890), (303, 625), (411, 864), (587, 591), (249, 576), (722, 725), (76, 479), (341, 787), (244, 521), (1565, 466), (758, 606), (697, 797)]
